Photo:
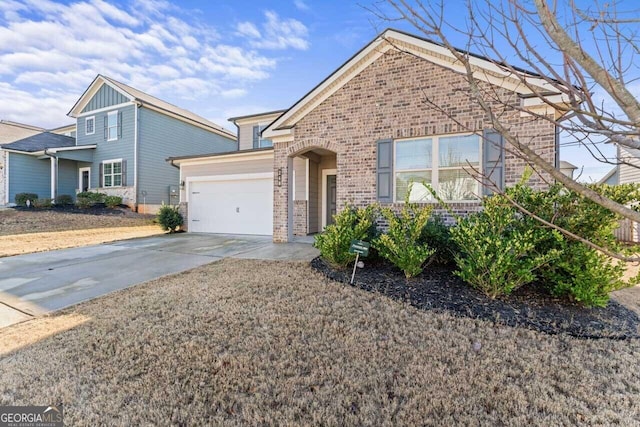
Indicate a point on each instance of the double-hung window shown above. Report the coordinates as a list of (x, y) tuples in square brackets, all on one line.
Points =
[(90, 125), (443, 162), (112, 126), (112, 173)]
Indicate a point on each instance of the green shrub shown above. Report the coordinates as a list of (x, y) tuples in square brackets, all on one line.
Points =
[(21, 198), (401, 244), (63, 200), (169, 218), (351, 223), (497, 255), (437, 234), (580, 272), (87, 199), (42, 203), (112, 201)]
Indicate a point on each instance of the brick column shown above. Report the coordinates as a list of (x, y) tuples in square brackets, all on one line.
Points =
[(280, 195)]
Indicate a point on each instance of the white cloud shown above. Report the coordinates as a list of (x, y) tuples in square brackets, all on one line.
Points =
[(277, 33), (233, 93), (50, 51), (248, 29), (301, 5)]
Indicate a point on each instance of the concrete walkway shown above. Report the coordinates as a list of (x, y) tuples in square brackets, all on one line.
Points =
[(34, 284)]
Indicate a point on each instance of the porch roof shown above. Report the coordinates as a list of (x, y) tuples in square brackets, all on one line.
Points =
[(39, 142)]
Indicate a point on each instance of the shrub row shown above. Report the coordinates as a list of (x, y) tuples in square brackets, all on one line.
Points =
[(84, 200), (412, 240), (500, 248)]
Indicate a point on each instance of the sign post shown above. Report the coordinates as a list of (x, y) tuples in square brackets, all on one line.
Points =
[(358, 247)]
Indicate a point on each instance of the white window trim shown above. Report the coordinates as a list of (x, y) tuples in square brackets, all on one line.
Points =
[(93, 119), (435, 147), (80, 170), (109, 114), (104, 162)]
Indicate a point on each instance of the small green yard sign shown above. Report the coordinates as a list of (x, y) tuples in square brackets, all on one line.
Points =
[(359, 247)]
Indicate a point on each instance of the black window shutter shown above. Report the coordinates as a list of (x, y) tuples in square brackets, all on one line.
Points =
[(119, 124), (106, 128), (101, 175), (493, 160), (124, 173), (256, 137), (385, 171)]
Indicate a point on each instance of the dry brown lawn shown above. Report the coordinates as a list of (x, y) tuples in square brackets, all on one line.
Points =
[(242, 342), (39, 242), (23, 232), (14, 222)]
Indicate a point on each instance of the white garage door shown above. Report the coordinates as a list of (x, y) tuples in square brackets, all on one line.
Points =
[(236, 206)]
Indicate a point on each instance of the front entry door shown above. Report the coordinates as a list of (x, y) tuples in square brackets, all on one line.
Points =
[(331, 198), (85, 173)]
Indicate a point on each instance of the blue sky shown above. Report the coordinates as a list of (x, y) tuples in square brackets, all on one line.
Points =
[(217, 58)]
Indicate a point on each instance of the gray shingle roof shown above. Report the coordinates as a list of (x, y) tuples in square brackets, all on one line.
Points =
[(40, 142)]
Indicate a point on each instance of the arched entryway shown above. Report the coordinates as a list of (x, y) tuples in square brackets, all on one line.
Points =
[(311, 194)]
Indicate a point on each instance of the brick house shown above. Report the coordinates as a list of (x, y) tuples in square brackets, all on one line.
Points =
[(364, 133)]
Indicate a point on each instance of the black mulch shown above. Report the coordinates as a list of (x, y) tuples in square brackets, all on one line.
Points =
[(97, 209), (438, 289)]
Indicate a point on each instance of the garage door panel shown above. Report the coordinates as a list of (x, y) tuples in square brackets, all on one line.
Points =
[(235, 207)]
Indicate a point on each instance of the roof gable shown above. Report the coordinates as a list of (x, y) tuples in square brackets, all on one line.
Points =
[(131, 94), (484, 69), (106, 96)]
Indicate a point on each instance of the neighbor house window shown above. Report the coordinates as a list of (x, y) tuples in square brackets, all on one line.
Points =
[(258, 141), (112, 126), (439, 161), (90, 126), (112, 174)]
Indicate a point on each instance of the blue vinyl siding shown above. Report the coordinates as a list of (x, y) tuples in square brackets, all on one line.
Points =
[(28, 174), (67, 177), (122, 148), (106, 96), (160, 137)]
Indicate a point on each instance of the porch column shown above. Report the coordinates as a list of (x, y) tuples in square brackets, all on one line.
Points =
[(54, 177), (282, 206)]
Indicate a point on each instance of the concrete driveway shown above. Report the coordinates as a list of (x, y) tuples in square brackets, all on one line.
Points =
[(34, 284)]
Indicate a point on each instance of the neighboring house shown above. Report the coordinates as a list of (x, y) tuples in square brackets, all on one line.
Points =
[(123, 138), (611, 178), (567, 168), (10, 132), (629, 170), (360, 136)]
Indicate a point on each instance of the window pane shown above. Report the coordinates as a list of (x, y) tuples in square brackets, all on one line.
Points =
[(266, 143), (419, 192), (456, 184), (107, 180), (117, 167), (413, 154), (458, 150), (113, 133), (112, 119), (107, 168), (117, 180)]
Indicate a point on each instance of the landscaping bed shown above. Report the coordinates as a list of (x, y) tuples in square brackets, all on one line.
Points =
[(245, 342), (438, 289)]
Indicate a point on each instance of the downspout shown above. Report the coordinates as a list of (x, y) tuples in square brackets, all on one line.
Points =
[(54, 174), (136, 105)]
